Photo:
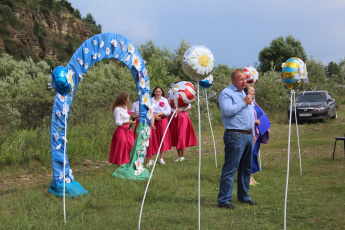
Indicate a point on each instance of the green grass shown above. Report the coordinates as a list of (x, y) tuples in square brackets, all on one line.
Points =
[(316, 198)]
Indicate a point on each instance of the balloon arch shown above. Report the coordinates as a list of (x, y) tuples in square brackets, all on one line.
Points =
[(95, 49)]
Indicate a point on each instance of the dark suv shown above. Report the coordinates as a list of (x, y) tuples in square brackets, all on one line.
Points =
[(314, 105)]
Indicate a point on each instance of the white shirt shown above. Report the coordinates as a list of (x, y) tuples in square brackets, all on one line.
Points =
[(135, 108), (121, 115), (157, 108)]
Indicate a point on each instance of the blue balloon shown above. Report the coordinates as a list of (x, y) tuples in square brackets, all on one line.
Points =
[(206, 82), (60, 82)]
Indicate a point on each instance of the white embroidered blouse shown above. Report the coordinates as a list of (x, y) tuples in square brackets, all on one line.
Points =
[(161, 106), (121, 115), (135, 108)]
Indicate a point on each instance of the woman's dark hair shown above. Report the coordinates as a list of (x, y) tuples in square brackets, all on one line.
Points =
[(157, 87)]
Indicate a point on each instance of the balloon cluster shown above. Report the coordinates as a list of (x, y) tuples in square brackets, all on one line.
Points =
[(198, 62), (294, 73), (251, 74), (60, 80), (181, 94)]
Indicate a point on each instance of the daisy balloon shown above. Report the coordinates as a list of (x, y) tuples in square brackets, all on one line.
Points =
[(181, 94), (198, 62)]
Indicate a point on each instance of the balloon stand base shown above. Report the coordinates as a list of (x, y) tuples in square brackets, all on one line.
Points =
[(73, 189), (126, 172)]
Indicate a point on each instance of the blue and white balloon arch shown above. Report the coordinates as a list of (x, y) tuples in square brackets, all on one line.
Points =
[(95, 49)]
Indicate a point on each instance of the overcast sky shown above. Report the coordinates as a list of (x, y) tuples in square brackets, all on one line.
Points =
[(235, 31)]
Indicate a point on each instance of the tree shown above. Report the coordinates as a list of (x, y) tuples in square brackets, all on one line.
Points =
[(316, 73), (89, 19), (332, 69), (279, 51), (176, 64), (77, 14), (47, 4)]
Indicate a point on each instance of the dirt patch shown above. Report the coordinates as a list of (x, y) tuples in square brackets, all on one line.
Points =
[(10, 183)]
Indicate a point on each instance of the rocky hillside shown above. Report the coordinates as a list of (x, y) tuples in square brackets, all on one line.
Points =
[(31, 29)]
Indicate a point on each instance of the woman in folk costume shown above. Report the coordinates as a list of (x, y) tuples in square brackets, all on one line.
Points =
[(123, 139), (182, 132), (135, 115), (161, 110), (261, 129)]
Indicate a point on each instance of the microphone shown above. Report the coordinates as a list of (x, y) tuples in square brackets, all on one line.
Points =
[(246, 91)]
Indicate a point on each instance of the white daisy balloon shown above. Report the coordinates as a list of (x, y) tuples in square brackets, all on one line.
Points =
[(198, 62)]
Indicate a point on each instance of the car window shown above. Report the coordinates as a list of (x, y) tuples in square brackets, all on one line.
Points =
[(311, 98)]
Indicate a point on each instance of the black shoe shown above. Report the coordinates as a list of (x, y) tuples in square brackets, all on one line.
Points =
[(229, 206), (250, 202)]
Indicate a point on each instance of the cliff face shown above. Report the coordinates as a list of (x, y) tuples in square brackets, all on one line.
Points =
[(55, 32)]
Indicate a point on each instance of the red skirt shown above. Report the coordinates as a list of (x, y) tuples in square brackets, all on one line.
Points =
[(182, 131), (135, 128), (153, 146), (161, 126), (121, 145)]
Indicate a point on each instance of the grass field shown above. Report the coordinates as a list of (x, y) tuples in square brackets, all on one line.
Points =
[(316, 199)]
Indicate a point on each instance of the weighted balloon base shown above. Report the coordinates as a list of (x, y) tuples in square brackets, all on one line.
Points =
[(127, 172), (73, 189)]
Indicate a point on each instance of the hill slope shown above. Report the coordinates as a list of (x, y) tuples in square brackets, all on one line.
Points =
[(41, 29)]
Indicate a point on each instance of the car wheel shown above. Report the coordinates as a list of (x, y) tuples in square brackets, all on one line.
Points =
[(329, 115), (335, 115)]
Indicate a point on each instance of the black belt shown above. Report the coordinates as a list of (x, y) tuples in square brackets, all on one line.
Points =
[(240, 131)]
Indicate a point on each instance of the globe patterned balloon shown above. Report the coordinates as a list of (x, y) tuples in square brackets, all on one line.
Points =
[(198, 62), (251, 74), (60, 81), (294, 73), (206, 82), (181, 94)]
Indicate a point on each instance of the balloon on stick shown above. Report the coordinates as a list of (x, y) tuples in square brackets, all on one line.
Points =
[(294, 75), (251, 74), (62, 84), (198, 63), (181, 94), (60, 80), (206, 83)]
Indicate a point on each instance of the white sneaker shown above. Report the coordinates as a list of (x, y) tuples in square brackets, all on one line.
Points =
[(150, 163), (178, 159), (181, 159), (161, 161)]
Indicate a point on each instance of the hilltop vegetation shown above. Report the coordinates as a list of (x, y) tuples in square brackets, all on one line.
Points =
[(47, 30)]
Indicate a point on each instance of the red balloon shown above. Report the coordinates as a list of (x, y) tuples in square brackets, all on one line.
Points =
[(181, 94)]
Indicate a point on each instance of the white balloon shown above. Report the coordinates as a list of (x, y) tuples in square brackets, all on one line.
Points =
[(198, 62)]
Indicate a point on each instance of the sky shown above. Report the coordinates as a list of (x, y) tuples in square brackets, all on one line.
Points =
[(234, 31)]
